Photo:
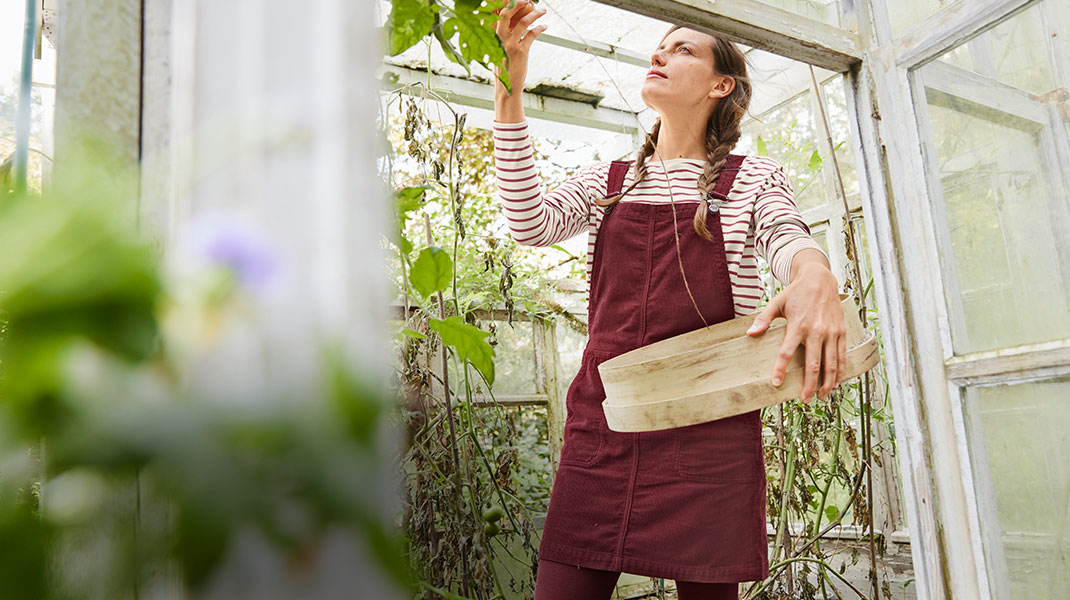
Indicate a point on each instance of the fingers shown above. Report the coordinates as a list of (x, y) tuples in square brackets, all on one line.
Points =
[(508, 16), (812, 368), (524, 22), (764, 318), (783, 357), (513, 28), (832, 367), (843, 359), (510, 20), (529, 38), (508, 12)]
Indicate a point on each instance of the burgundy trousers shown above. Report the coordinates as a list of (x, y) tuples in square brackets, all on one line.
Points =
[(558, 581)]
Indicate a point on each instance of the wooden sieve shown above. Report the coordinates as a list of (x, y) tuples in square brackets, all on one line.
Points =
[(715, 372)]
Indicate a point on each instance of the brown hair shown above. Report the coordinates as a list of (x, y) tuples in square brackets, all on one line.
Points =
[(722, 130)]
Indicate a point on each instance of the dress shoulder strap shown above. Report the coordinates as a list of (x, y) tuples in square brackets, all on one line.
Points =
[(617, 170), (726, 177)]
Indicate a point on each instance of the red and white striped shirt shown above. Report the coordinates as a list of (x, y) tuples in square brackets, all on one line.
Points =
[(759, 215)]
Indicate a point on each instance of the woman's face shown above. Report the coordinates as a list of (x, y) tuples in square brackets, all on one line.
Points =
[(682, 78)]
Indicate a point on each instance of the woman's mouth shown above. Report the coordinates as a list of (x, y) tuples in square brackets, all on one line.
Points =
[(654, 73)]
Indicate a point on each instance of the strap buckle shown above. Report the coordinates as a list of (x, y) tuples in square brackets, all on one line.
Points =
[(714, 201)]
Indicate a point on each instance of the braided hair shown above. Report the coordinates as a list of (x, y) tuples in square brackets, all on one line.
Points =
[(722, 130)]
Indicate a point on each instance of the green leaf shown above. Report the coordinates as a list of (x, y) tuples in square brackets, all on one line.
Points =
[(407, 200), (831, 512), (474, 20), (762, 151), (815, 161), (448, 49), (413, 334), (431, 272), (469, 342), (410, 21)]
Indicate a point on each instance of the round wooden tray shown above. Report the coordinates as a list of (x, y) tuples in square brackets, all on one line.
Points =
[(715, 372)]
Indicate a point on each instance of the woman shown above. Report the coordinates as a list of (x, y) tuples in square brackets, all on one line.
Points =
[(685, 503)]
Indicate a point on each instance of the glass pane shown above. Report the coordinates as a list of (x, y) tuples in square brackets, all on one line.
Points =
[(1020, 445), (1002, 210), (514, 359), (1016, 52), (826, 11), (570, 345), (836, 98), (822, 239), (905, 14), (788, 134)]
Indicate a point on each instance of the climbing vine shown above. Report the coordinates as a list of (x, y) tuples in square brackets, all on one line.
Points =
[(478, 473)]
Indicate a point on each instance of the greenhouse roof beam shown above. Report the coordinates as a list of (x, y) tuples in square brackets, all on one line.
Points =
[(467, 92), (595, 48), (759, 25)]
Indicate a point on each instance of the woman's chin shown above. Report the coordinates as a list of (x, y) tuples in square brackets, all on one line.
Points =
[(652, 96)]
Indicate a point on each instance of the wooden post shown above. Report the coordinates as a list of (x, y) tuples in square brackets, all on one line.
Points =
[(256, 115), (545, 332)]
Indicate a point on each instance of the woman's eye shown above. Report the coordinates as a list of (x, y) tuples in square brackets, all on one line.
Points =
[(684, 48)]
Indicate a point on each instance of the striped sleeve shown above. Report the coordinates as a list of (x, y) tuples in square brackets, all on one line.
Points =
[(534, 218), (780, 230)]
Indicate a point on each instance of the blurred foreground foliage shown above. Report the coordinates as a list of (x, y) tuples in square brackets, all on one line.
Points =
[(112, 478)]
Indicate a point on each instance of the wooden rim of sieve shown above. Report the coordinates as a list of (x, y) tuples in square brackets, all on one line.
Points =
[(727, 402), (714, 372)]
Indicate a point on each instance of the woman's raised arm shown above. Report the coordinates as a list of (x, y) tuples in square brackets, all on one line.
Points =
[(513, 30), (534, 219)]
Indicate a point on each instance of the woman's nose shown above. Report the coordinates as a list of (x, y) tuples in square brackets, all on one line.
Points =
[(656, 59)]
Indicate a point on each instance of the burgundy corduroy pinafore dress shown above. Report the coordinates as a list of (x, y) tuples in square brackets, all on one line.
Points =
[(686, 503)]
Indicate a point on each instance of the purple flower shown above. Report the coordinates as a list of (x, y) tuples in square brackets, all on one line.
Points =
[(249, 258)]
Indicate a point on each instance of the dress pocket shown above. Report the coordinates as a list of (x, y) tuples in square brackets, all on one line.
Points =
[(584, 421), (725, 450)]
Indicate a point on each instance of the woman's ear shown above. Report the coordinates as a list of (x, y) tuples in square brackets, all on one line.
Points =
[(722, 86)]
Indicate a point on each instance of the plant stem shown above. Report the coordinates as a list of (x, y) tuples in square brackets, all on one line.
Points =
[(449, 419), (788, 480), (828, 484), (825, 492), (784, 563), (825, 578), (868, 451)]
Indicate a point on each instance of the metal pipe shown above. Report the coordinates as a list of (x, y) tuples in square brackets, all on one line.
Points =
[(22, 120)]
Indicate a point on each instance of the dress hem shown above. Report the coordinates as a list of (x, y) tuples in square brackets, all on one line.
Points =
[(593, 559)]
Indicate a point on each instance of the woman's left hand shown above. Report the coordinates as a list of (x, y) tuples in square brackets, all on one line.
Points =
[(811, 305)]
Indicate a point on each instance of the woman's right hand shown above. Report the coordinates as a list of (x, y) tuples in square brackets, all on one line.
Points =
[(513, 30)]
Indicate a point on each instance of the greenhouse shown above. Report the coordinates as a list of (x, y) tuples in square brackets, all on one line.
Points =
[(274, 323)]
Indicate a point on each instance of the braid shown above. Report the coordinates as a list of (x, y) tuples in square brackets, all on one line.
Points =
[(640, 165), (725, 121)]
